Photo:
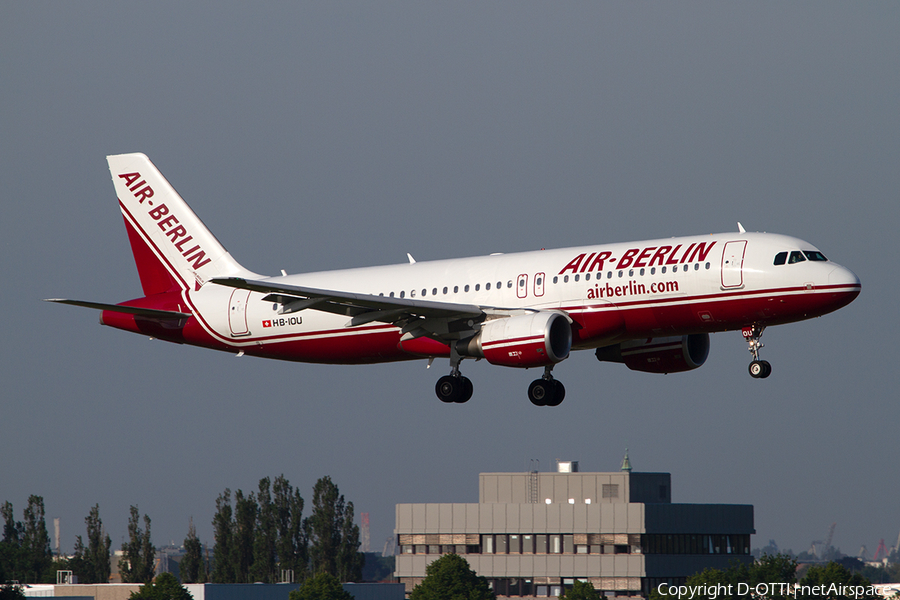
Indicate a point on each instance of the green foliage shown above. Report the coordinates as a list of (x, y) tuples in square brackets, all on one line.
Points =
[(11, 592), (138, 562), (261, 535), (94, 567), (321, 586), (192, 566), (581, 590), (223, 569), (333, 538), (722, 585), (833, 580), (25, 548), (378, 567), (451, 578), (164, 587)]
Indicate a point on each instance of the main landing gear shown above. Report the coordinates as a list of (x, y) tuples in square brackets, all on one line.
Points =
[(454, 388), (759, 369), (546, 391)]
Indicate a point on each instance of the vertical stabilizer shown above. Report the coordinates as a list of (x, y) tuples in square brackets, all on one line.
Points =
[(172, 247)]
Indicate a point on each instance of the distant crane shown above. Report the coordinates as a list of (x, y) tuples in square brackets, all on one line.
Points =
[(365, 531), (389, 545), (881, 552)]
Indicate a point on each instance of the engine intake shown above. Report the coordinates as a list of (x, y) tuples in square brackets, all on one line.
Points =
[(533, 340), (659, 355)]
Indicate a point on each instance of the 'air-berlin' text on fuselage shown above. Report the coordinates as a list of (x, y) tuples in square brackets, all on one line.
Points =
[(639, 257), (176, 232)]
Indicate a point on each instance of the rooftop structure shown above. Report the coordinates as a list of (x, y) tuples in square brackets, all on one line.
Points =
[(531, 534)]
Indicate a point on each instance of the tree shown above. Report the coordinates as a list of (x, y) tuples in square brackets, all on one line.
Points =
[(11, 592), (830, 580), (192, 565), (11, 558), (581, 590), (245, 513), (333, 538), (96, 558), (265, 560), (451, 578), (291, 546), (777, 569), (322, 586), (36, 543), (223, 566), (138, 562), (164, 587)]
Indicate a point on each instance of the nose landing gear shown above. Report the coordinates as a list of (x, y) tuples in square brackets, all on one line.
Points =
[(759, 369)]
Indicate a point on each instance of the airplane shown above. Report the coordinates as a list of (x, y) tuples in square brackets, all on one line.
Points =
[(648, 304)]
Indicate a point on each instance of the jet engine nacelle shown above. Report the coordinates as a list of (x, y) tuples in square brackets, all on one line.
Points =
[(659, 355), (534, 340)]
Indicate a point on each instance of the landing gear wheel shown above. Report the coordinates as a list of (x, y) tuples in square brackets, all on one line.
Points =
[(454, 389), (449, 389), (559, 394), (540, 391), (760, 369), (467, 390), (546, 392)]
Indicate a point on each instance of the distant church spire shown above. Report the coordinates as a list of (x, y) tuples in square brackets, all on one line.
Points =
[(626, 464)]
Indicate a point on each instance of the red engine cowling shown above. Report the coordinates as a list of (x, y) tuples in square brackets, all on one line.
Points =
[(534, 340), (660, 355)]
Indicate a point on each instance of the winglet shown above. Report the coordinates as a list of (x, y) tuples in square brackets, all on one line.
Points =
[(741, 228), (412, 261)]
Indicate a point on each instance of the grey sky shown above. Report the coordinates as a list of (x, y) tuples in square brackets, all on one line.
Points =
[(327, 135)]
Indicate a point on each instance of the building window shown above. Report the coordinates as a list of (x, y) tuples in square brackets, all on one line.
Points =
[(555, 544), (610, 490), (487, 544)]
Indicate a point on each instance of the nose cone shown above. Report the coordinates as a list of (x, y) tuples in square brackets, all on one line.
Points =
[(844, 284)]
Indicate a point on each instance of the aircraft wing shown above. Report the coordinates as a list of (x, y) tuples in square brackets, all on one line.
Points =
[(362, 308)]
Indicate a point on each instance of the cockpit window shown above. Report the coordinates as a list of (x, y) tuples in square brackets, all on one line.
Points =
[(796, 256), (781, 258), (814, 255)]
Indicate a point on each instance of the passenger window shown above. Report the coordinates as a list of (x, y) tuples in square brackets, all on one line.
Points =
[(509, 283), (796, 256), (780, 258), (641, 271), (621, 273), (466, 289), (577, 277), (487, 286), (653, 270), (707, 266), (555, 279), (587, 276), (445, 290), (455, 289), (631, 272), (477, 287), (814, 255), (499, 285), (402, 294), (412, 294), (539, 281), (424, 293), (392, 294), (696, 266), (565, 279), (434, 291)]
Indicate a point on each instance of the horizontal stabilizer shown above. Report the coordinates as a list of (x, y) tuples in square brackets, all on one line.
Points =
[(150, 313)]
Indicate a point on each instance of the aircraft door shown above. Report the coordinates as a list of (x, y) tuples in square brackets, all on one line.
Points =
[(522, 286), (539, 284), (733, 264), (237, 313)]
